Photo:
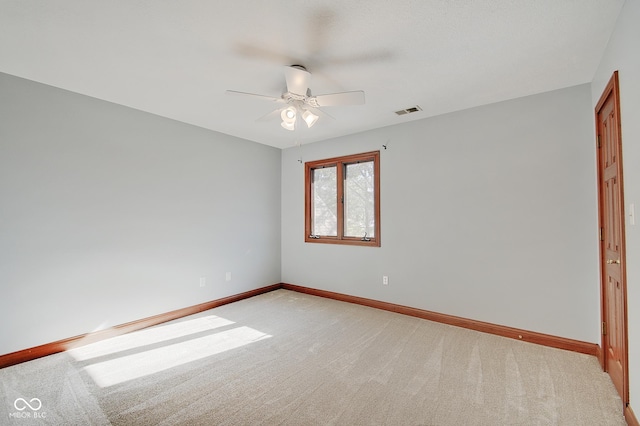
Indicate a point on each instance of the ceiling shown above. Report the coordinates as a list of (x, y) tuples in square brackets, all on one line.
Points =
[(177, 58)]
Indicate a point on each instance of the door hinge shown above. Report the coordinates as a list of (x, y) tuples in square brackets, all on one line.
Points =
[(601, 234), (604, 328), (599, 144)]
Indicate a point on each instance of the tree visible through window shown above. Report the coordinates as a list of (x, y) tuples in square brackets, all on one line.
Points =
[(342, 200)]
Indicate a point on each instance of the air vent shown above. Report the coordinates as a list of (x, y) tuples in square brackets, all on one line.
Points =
[(409, 110)]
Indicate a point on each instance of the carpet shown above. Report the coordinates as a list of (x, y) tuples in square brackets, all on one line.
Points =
[(286, 358)]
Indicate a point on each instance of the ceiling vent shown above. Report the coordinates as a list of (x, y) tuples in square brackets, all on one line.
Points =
[(409, 110)]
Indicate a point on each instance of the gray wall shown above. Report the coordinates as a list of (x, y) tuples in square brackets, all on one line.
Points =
[(488, 214), (108, 214), (623, 55)]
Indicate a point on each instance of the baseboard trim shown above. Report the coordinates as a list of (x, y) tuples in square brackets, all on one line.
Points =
[(630, 417), (65, 344), (500, 330)]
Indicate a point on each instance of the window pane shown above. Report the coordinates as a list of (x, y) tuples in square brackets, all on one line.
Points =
[(359, 200), (325, 193)]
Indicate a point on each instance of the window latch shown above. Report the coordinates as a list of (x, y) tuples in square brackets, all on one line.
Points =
[(315, 237), (365, 238)]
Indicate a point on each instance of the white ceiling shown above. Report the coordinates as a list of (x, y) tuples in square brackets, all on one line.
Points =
[(177, 58)]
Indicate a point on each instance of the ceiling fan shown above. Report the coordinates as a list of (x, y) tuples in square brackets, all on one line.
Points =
[(300, 106)]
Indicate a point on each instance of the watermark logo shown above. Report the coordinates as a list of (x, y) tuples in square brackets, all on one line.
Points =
[(21, 404), (34, 404)]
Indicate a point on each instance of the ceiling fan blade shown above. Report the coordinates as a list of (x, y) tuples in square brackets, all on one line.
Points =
[(270, 115), (344, 98), (253, 50), (253, 95), (297, 80), (319, 112)]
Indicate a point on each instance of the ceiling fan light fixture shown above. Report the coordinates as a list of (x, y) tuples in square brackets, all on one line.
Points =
[(289, 113), (309, 118), (288, 116), (288, 126)]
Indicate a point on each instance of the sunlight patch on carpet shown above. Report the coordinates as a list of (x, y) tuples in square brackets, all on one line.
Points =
[(123, 369), (147, 336)]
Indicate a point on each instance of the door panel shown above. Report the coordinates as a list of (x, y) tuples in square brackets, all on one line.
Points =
[(611, 206)]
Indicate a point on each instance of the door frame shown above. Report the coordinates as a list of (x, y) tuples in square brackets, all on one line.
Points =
[(612, 89)]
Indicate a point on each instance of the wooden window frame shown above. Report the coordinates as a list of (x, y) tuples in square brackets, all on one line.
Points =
[(340, 163)]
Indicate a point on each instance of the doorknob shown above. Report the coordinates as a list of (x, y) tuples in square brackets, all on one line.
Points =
[(611, 261)]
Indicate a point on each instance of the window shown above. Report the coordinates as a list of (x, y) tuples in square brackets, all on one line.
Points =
[(342, 200)]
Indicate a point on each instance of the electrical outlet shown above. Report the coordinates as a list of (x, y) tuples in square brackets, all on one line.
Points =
[(227, 276), (385, 280), (203, 281)]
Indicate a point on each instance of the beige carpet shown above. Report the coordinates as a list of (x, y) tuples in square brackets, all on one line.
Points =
[(294, 359)]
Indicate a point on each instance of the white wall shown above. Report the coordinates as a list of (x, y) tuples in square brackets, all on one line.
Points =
[(488, 214), (108, 214), (622, 54)]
